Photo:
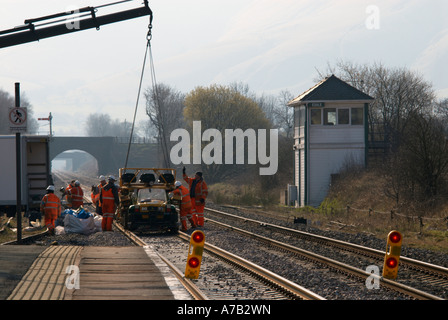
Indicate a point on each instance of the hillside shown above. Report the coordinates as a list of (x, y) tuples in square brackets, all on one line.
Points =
[(358, 203)]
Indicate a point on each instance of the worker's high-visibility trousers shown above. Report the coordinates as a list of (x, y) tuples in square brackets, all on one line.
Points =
[(106, 223), (197, 209), (109, 208), (185, 214), (50, 222)]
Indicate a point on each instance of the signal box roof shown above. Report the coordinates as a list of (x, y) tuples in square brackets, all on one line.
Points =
[(331, 89)]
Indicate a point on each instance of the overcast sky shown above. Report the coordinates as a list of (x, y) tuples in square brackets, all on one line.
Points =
[(271, 45)]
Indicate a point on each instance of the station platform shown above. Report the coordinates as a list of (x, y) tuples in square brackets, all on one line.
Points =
[(86, 273)]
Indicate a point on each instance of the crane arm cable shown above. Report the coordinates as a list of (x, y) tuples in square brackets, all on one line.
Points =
[(147, 48), (160, 116)]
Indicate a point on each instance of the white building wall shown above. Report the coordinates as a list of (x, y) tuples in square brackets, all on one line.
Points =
[(324, 163), (330, 147), (344, 135), (299, 164)]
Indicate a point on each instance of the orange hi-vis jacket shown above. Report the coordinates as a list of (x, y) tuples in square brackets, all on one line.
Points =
[(77, 197), (100, 186), (68, 193), (185, 196), (200, 190), (95, 198), (108, 202), (51, 206)]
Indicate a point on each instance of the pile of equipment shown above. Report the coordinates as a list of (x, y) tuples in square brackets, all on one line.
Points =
[(78, 221)]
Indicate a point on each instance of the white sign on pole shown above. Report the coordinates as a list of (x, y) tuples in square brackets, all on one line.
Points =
[(17, 119)]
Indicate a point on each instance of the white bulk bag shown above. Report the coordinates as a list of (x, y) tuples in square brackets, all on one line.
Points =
[(73, 224)]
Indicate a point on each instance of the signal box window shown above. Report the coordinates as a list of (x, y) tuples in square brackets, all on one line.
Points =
[(330, 116), (299, 116), (357, 116), (316, 116), (343, 116)]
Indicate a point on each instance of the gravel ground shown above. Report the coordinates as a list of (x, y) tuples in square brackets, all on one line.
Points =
[(358, 238), (321, 280), (407, 277), (217, 280), (100, 239)]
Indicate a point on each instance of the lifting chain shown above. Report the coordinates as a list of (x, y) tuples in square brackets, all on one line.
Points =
[(149, 34)]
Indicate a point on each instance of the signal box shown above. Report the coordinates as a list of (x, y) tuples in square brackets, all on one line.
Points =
[(392, 257), (194, 259)]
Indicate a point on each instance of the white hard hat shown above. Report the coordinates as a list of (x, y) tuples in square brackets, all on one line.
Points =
[(102, 178), (178, 184), (77, 183), (50, 188), (112, 178)]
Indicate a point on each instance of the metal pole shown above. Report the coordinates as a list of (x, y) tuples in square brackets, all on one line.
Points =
[(18, 173), (50, 117)]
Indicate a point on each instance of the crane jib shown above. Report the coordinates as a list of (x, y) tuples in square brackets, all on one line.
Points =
[(30, 32)]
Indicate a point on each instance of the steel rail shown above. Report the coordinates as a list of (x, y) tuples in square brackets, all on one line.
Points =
[(416, 264), (418, 294), (260, 272), (196, 293), (30, 238)]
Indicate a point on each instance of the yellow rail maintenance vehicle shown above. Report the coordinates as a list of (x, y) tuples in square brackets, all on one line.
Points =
[(144, 199)]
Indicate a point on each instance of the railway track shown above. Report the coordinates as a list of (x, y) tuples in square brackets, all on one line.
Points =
[(279, 288), (196, 293), (425, 272), (61, 179)]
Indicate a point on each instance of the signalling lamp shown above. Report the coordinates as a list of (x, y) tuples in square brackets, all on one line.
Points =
[(194, 259), (392, 257)]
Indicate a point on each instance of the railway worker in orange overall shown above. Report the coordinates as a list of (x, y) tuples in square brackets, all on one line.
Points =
[(198, 194), (77, 195), (68, 193), (109, 201), (95, 195), (185, 205), (100, 186), (50, 206)]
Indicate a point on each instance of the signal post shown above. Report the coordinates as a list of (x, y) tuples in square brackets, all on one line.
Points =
[(195, 251), (392, 257)]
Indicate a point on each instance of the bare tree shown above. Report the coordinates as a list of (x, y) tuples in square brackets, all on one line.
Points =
[(268, 104), (99, 125), (284, 114), (425, 149), (221, 108), (146, 129), (102, 125), (412, 123), (164, 107), (441, 110), (398, 94), (274, 107)]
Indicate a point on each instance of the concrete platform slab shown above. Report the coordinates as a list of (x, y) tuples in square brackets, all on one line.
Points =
[(45, 279), (14, 263)]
